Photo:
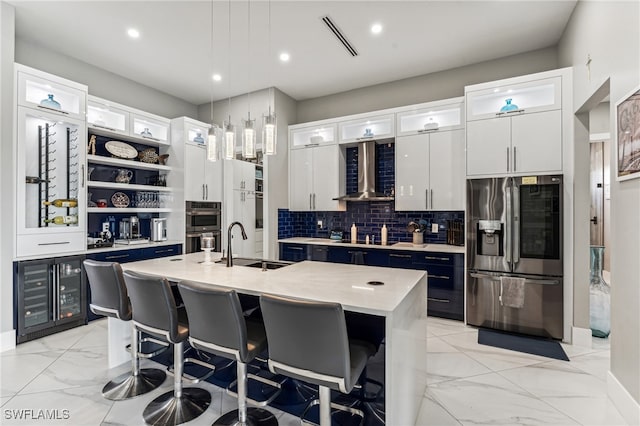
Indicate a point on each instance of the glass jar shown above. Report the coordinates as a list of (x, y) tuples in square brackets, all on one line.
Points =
[(599, 296)]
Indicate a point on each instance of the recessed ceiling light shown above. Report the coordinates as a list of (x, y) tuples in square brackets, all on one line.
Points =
[(133, 33), (217, 77), (376, 28), (284, 57)]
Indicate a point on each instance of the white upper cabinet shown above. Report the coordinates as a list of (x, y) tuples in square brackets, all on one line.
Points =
[(431, 117), (42, 91), (112, 119), (320, 133), (102, 114), (514, 98), (515, 126), (316, 177), (369, 127)]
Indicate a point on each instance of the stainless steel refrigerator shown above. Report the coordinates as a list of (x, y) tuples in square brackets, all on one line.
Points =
[(514, 254)]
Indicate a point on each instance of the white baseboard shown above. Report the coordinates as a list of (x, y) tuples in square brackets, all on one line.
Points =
[(7, 340), (628, 407), (581, 337)]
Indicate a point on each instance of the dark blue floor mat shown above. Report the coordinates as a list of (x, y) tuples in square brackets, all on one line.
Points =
[(520, 343)]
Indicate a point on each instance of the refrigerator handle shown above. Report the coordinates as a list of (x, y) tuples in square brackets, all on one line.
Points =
[(509, 223), (516, 223)]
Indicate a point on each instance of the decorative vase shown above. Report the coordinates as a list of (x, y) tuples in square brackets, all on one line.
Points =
[(198, 138), (599, 296), (50, 102), (146, 133), (509, 106)]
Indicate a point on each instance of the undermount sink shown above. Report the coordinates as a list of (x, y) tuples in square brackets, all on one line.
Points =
[(258, 263)]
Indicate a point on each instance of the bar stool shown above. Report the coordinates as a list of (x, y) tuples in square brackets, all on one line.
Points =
[(109, 298), (155, 312), (309, 341), (217, 325)]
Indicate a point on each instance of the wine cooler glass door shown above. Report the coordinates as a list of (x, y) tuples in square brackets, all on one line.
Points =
[(36, 297), (70, 294), (50, 172)]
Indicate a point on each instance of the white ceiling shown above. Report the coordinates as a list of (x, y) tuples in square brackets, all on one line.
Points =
[(173, 53)]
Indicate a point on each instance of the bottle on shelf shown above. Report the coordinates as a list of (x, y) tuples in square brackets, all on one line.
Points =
[(64, 202), (63, 220)]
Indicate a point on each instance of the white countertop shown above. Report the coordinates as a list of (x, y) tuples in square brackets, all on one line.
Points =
[(443, 248), (321, 281)]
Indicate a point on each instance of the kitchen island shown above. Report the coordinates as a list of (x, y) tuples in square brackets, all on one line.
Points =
[(401, 301)]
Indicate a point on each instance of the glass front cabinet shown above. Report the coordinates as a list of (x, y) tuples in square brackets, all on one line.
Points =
[(51, 175)]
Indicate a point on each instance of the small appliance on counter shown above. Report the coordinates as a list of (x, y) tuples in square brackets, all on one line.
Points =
[(130, 231), (158, 229)]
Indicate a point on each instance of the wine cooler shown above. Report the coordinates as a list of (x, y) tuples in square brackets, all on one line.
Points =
[(50, 296)]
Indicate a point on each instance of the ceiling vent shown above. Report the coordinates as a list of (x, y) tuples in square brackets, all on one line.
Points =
[(336, 31)]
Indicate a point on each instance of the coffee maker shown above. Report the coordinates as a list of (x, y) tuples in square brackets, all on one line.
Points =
[(130, 228)]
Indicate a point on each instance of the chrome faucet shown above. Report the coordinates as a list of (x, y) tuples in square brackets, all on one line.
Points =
[(229, 252)]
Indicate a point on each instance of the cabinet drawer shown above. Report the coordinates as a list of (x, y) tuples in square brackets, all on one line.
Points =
[(293, 252), (439, 259), (50, 244), (445, 304), (164, 251), (120, 256)]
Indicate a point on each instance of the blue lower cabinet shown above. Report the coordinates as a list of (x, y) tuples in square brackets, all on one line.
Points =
[(131, 255), (319, 253), (445, 304), (399, 259), (294, 252)]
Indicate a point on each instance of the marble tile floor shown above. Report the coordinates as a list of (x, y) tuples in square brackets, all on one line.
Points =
[(468, 384)]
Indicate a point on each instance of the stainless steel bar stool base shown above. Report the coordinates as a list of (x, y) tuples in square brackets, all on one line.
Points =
[(169, 410), (255, 417), (128, 385)]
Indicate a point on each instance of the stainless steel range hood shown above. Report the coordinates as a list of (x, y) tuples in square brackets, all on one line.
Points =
[(366, 176)]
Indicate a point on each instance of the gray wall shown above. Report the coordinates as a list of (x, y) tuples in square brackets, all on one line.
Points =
[(103, 83), (7, 219), (608, 31), (276, 167), (425, 88)]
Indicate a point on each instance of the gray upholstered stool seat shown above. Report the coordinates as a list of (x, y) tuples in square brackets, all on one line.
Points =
[(109, 297), (308, 341), (155, 312), (217, 325)]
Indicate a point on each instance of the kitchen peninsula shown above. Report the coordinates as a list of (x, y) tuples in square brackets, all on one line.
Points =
[(401, 301)]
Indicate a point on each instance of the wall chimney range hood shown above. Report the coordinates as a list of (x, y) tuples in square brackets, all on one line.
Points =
[(366, 176)]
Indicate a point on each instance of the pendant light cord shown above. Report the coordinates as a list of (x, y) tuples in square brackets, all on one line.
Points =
[(211, 63), (248, 61), (229, 64)]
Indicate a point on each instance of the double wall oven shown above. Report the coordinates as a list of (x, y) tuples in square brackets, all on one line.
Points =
[(514, 234), (202, 216)]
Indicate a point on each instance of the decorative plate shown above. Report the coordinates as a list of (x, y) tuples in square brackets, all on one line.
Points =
[(149, 155), (121, 149), (120, 199)]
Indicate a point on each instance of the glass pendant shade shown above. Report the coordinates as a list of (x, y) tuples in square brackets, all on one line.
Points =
[(229, 141), (249, 139), (213, 143), (269, 137)]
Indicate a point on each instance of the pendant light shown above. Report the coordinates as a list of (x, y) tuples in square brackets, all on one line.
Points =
[(248, 131), (213, 137), (229, 128), (269, 125)]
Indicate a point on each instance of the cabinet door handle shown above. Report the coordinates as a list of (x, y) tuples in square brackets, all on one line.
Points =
[(355, 252), (296, 248), (162, 251), (207, 191), (53, 109), (403, 256), (203, 191), (507, 158), (116, 256), (311, 145), (443, 277), (445, 259), (314, 200), (100, 126), (433, 299), (310, 205), (431, 198), (426, 199), (82, 175), (53, 244), (515, 164)]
